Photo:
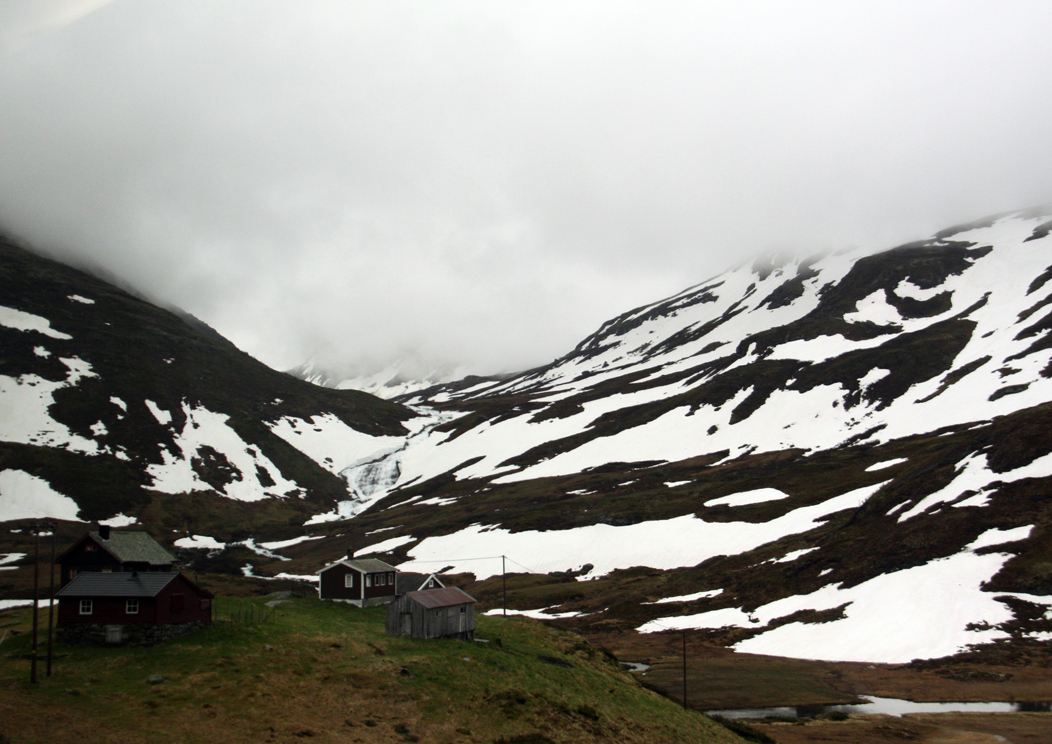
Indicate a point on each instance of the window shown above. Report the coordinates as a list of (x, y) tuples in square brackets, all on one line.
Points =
[(390, 578), (383, 579), (73, 572), (348, 580), (463, 609), (107, 570), (368, 580), (132, 607), (85, 607), (90, 548)]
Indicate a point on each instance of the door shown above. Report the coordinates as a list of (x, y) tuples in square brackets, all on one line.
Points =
[(405, 626)]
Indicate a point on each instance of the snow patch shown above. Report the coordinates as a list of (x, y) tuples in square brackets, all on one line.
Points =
[(689, 597), (886, 464), (119, 521), (24, 496), (669, 543), (199, 542), (385, 545), (920, 612), (758, 496), (20, 321), (163, 417), (206, 428)]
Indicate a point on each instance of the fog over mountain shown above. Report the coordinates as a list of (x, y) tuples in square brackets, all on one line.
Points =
[(481, 186)]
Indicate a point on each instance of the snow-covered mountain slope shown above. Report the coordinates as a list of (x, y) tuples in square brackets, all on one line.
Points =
[(848, 456), (808, 451), (108, 404), (808, 355)]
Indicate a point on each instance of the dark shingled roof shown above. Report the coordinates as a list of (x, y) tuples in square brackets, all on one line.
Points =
[(365, 565), (445, 597), (135, 547), (129, 584), (411, 582)]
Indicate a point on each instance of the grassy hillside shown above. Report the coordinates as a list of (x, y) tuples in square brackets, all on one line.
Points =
[(328, 673)]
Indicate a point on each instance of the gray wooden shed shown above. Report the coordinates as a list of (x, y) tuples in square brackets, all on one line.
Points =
[(448, 612)]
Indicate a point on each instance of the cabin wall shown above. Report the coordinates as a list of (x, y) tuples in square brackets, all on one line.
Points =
[(179, 602), (377, 591), (84, 559), (105, 611), (331, 583)]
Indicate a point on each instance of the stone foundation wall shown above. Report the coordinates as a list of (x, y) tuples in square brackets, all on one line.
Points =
[(144, 634)]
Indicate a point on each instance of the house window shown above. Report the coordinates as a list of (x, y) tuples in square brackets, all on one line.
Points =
[(463, 609), (107, 570), (85, 607), (390, 578), (348, 580), (132, 607), (73, 572), (90, 548), (368, 579), (383, 579)]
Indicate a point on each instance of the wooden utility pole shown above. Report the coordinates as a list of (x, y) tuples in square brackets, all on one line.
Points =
[(504, 584), (36, 598), (51, 601)]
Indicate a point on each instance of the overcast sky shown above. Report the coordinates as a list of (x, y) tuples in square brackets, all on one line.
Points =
[(484, 183)]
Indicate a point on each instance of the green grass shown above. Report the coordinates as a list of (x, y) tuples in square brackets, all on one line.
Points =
[(329, 669)]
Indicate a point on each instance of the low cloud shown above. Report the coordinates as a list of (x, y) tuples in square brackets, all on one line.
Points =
[(482, 186)]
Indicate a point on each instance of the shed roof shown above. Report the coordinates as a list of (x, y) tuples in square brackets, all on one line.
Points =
[(365, 565), (122, 584), (445, 597), (411, 582), (131, 547)]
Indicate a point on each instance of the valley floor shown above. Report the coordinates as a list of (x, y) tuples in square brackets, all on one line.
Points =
[(718, 678)]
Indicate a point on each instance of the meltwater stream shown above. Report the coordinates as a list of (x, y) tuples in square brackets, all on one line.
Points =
[(888, 706)]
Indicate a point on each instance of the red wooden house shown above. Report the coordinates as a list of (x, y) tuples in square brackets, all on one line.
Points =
[(107, 552), (361, 581), (137, 607)]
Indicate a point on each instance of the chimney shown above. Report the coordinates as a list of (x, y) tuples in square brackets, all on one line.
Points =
[(350, 553), (104, 531)]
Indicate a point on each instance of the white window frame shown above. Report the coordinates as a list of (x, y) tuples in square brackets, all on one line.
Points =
[(86, 607), (348, 580), (368, 580), (131, 607)]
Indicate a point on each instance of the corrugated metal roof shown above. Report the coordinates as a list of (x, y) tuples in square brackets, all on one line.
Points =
[(130, 584), (445, 597), (135, 547)]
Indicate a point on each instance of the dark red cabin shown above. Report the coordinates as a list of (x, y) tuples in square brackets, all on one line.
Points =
[(363, 581), (132, 599), (107, 552)]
